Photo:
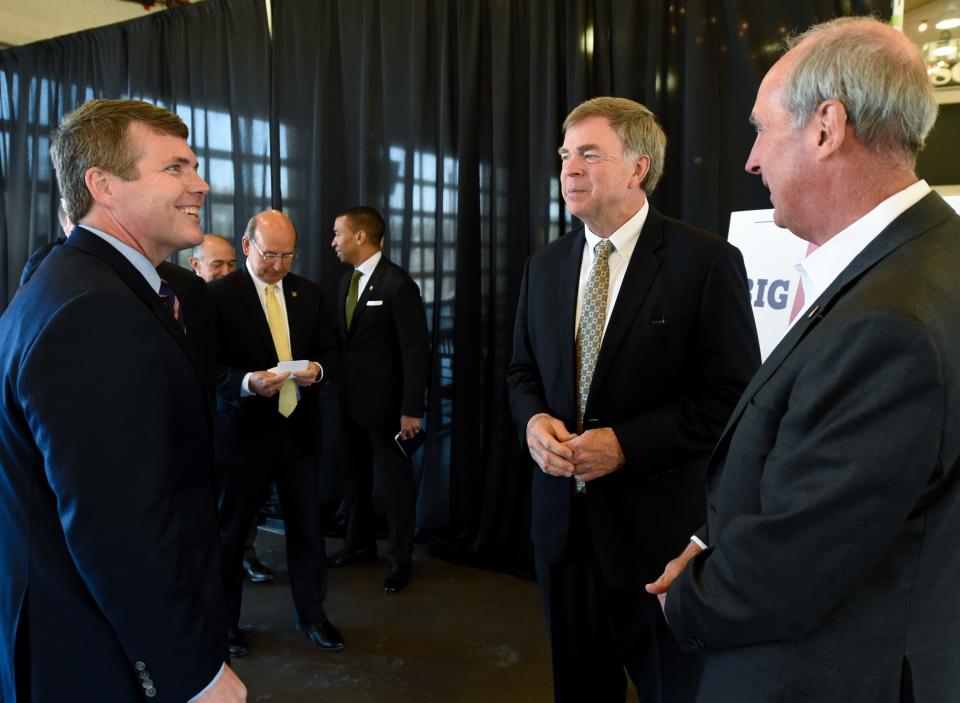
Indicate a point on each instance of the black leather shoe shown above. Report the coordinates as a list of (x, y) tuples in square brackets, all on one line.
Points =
[(323, 634), (397, 578), (256, 570), (357, 556), (237, 643)]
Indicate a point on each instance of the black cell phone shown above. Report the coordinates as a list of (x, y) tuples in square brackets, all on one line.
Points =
[(409, 447)]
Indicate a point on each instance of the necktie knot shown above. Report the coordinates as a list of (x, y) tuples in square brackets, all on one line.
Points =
[(604, 249), (172, 302)]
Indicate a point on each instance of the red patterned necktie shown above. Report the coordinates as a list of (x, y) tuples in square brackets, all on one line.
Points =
[(172, 302)]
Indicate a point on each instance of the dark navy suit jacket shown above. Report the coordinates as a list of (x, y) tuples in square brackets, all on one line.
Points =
[(110, 555)]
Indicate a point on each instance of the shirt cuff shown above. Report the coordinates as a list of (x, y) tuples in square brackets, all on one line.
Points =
[(697, 541), (245, 391), (319, 375), (211, 684)]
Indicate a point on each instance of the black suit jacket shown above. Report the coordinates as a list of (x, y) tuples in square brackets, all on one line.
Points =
[(251, 429), (832, 567), (110, 549), (37, 257), (386, 352), (678, 351)]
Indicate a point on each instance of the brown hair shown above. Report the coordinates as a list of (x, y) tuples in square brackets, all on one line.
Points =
[(95, 135)]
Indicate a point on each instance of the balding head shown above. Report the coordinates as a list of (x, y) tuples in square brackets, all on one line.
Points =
[(214, 258), (874, 71), (270, 245)]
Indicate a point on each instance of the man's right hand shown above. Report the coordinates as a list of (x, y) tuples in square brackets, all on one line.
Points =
[(228, 689), (545, 438), (267, 384)]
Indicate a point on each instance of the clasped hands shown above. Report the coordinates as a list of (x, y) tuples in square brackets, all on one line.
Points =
[(268, 384), (586, 456)]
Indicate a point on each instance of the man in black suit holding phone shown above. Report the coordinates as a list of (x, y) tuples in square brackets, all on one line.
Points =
[(633, 341), (386, 360)]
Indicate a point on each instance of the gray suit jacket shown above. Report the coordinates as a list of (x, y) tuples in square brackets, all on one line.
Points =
[(833, 503)]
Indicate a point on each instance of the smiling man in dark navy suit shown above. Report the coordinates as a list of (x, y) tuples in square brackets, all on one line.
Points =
[(633, 340), (110, 559)]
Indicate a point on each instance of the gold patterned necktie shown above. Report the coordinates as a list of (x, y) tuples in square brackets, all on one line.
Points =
[(593, 314), (281, 342), (352, 295)]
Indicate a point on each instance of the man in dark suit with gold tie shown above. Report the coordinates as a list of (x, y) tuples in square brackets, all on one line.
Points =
[(634, 338), (268, 419)]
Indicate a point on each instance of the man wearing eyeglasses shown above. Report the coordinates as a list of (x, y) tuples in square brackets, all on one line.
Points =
[(268, 417)]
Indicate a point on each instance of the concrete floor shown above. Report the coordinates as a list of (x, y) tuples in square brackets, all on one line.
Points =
[(454, 635)]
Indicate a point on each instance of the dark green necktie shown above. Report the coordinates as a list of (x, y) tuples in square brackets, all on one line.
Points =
[(352, 296)]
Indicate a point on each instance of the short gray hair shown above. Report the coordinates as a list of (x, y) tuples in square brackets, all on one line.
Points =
[(880, 80), (636, 127)]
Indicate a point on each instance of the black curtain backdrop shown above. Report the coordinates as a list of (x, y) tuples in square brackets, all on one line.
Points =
[(445, 116), (210, 63)]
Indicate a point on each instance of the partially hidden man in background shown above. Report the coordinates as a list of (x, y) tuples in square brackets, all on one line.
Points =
[(268, 422), (832, 566), (110, 554), (386, 360), (634, 338)]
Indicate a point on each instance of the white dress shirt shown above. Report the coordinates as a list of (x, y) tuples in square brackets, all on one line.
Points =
[(822, 266), (366, 271), (624, 241)]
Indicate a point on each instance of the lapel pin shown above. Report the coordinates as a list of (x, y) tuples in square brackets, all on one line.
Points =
[(370, 288), (293, 293), (813, 311)]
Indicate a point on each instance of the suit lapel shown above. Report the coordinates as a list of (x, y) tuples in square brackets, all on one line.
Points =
[(927, 213), (291, 298), (639, 276), (86, 241), (371, 289), (567, 286)]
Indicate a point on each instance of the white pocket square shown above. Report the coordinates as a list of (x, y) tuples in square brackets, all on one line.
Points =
[(371, 303)]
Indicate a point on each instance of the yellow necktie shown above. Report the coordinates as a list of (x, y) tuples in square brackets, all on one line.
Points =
[(281, 341)]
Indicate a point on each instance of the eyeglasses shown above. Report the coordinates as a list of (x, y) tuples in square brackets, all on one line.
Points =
[(271, 256)]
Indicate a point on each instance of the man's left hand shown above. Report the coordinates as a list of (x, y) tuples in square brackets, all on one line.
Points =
[(308, 376), (673, 569), (596, 453), (409, 426)]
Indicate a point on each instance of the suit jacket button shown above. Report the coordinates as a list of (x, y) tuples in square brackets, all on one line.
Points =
[(145, 675), (150, 692), (139, 666), (147, 683)]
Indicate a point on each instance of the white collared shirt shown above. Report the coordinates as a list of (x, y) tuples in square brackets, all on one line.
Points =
[(366, 271), (624, 241), (822, 266)]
